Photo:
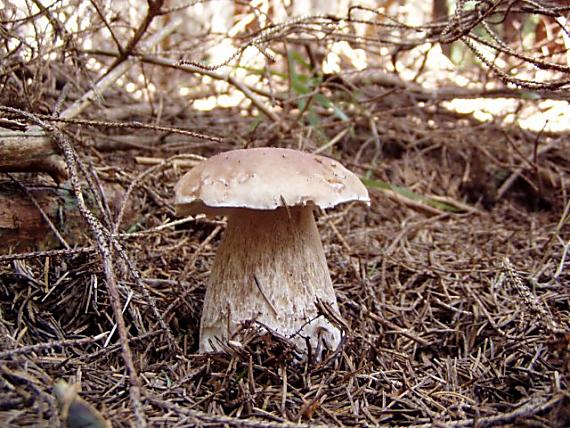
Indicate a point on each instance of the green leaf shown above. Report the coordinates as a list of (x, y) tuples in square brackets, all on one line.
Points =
[(325, 102), (296, 57), (409, 194)]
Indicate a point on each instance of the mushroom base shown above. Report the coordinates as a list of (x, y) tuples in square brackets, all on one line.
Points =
[(270, 268)]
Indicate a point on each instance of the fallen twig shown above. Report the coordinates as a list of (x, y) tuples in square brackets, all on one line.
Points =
[(50, 345), (104, 250)]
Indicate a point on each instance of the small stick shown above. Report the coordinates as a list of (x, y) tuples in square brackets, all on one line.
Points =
[(536, 307), (242, 87), (50, 345), (179, 163), (49, 253), (260, 288), (512, 178), (117, 70), (532, 407)]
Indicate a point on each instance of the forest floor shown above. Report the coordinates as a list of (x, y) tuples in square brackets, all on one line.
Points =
[(453, 283)]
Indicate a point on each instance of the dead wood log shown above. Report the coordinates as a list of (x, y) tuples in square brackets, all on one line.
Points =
[(25, 216), (30, 151)]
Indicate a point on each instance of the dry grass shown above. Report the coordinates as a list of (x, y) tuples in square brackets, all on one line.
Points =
[(457, 314)]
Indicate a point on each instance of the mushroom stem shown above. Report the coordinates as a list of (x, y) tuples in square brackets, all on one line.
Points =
[(270, 267)]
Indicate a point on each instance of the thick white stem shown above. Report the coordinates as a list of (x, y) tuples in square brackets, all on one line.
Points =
[(270, 268)]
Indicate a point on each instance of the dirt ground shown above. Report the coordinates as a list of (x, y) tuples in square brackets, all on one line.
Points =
[(453, 283)]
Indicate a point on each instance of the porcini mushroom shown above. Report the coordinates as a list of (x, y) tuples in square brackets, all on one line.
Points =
[(270, 266)]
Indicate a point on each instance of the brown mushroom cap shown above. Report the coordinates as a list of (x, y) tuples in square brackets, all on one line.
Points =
[(265, 179)]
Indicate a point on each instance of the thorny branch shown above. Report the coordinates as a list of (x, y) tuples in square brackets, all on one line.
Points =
[(104, 246)]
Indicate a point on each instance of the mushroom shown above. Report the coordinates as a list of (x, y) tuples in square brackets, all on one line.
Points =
[(270, 266)]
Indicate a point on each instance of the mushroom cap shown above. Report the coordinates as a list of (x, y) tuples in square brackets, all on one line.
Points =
[(265, 179)]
